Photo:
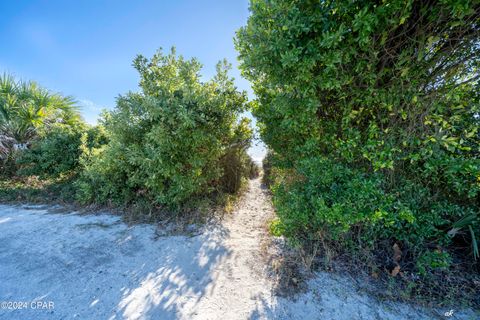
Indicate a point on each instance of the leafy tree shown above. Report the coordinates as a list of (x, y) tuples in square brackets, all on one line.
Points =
[(167, 141), (372, 111)]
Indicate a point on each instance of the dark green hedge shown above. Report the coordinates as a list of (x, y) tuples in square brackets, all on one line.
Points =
[(372, 111)]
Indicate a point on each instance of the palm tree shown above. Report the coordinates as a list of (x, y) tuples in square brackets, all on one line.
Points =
[(25, 109)]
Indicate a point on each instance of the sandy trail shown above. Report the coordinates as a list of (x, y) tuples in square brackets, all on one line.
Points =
[(97, 267)]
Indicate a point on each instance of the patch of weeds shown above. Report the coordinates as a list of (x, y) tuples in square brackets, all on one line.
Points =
[(285, 266), (435, 280), (34, 190)]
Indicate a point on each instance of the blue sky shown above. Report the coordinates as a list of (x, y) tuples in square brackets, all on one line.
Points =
[(85, 48)]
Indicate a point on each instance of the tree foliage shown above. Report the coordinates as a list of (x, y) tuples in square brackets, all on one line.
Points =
[(167, 142), (372, 111)]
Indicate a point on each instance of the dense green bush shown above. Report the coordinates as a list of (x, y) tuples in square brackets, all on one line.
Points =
[(57, 150), (53, 154), (236, 164), (372, 110), (268, 169), (168, 143), (252, 168)]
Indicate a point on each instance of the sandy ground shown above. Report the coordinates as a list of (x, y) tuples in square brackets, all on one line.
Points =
[(97, 267)]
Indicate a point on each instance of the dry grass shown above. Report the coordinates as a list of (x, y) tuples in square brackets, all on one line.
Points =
[(397, 279)]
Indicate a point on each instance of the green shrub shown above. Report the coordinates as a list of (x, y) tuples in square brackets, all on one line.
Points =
[(94, 137), (268, 169), (167, 142), (253, 170), (234, 170), (57, 150), (331, 201), (236, 164), (372, 112), (433, 260)]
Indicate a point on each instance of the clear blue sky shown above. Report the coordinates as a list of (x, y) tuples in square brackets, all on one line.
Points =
[(85, 48)]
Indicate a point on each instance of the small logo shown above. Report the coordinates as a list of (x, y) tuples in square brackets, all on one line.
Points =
[(449, 313)]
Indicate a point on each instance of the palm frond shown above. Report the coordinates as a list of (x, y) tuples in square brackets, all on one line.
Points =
[(25, 106), (474, 243)]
